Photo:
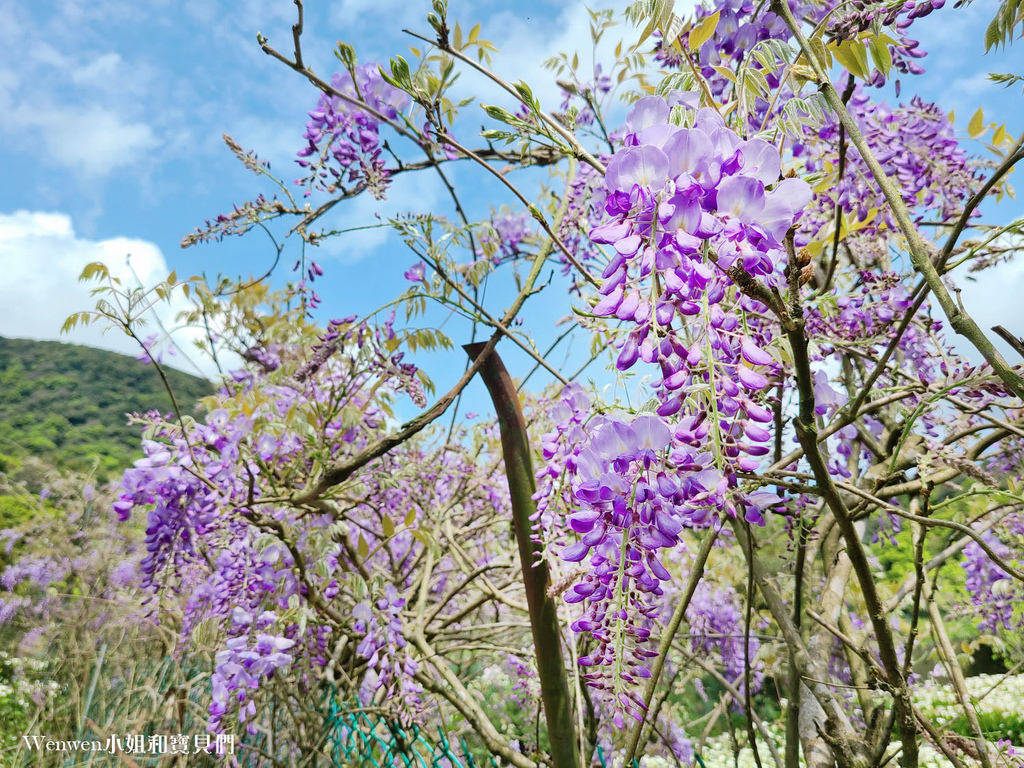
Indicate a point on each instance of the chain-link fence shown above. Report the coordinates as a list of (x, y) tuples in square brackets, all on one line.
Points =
[(358, 739)]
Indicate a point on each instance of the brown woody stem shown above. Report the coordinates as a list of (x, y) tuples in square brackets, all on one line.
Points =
[(547, 636)]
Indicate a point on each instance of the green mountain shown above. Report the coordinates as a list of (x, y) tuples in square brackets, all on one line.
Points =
[(68, 405)]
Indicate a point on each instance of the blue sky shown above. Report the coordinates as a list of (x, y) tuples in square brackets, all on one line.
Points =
[(111, 113)]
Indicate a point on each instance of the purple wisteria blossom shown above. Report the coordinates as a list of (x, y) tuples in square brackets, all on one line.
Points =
[(343, 147), (686, 206), (384, 647)]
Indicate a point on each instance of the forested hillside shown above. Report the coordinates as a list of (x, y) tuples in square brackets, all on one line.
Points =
[(67, 405)]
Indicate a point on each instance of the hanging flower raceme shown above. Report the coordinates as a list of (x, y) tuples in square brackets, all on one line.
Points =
[(560, 449), (626, 510), (343, 141), (688, 209), (917, 146), (250, 657), (686, 205), (390, 679), (510, 230), (715, 624), (994, 595), (585, 198), (633, 490)]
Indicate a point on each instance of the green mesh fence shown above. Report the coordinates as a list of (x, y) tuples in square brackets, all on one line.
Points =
[(361, 740)]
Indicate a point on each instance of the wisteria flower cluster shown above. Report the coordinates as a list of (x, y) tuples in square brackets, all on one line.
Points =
[(344, 147), (866, 318), (243, 664), (716, 625), (917, 146), (632, 496), (511, 229), (626, 512), (994, 595), (741, 25), (202, 488), (383, 646), (687, 207)]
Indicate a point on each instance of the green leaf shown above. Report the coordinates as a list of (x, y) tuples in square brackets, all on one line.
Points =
[(493, 135), (821, 51), (1003, 26), (525, 94), (703, 31), (672, 30), (346, 54), (881, 55), (647, 32), (499, 113), (388, 526), (92, 270), (852, 56), (1006, 80), (755, 78), (70, 323), (992, 35), (657, 14), (977, 125), (400, 72), (999, 136), (362, 548), (410, 517), (726, 73)]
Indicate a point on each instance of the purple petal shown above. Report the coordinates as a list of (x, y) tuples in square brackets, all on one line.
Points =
[(628, 356), (609, 303), (741, 197), (750, 379), (610, 232), (645, 166), (761, 160), (754, 354), (688, 151), (574, 553), (651, 432), (781, 206), (646, 112)]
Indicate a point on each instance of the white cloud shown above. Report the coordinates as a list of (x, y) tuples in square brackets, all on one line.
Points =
[(100, 70), (964, 94), (91, 132), (993, 298), (8, 84), (526, 42), (89, 118), (91, 141), (398, 13), (41, 258)]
